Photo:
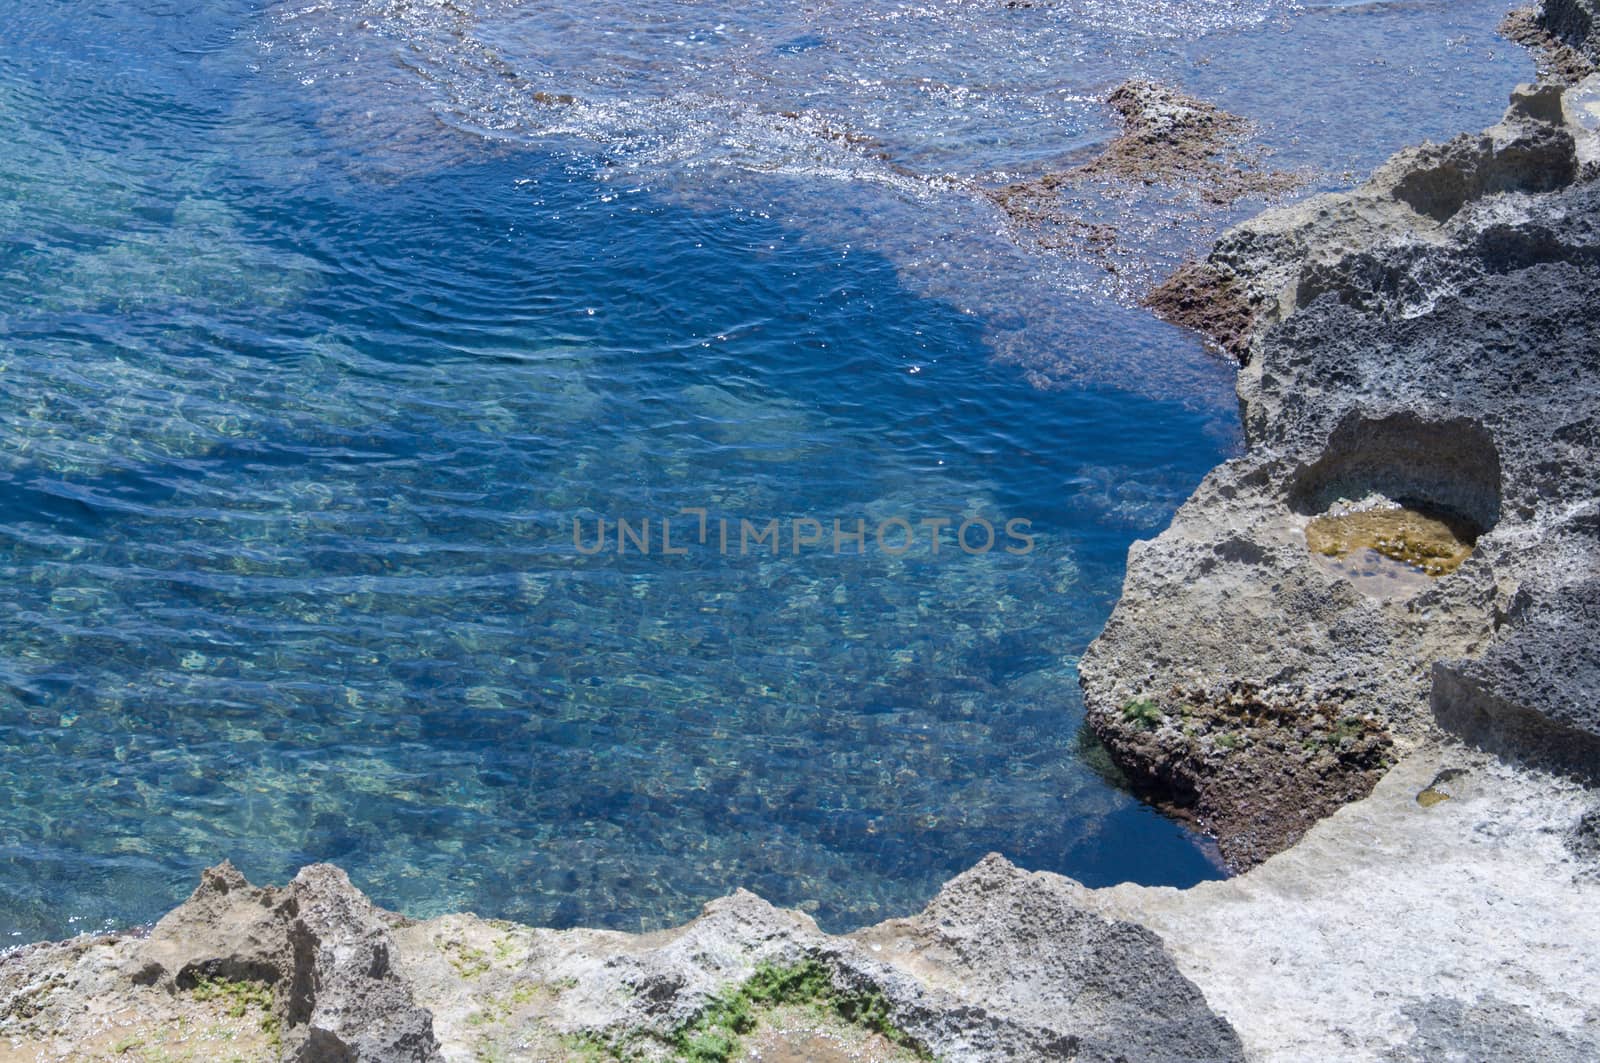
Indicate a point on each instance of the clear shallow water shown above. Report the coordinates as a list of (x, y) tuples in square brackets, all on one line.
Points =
[(315, 338), (873, 123)]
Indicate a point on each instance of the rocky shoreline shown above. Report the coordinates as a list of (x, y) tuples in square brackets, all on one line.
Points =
[(1446, 916), (1426, 343), (1404, 763)]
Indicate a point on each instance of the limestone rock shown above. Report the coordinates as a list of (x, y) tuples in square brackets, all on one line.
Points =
[(1488, 1031), (1058, 982), (1428, 339), (1002, 965), (319, 944), (1378, 242)]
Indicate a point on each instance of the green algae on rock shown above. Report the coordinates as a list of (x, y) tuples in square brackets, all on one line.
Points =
[(1248, 763)]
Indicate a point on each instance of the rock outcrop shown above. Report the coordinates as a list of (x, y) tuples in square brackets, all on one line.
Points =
[(1426, 344), (1385, 246), (1561, 34), (1574, 22), (1001, 965), (308, 969)]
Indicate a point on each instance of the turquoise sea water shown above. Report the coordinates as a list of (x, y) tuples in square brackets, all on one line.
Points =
[(321, 325)]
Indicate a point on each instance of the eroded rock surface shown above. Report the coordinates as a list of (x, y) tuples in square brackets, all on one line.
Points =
[(1429, 339), (1394, 243), (300, 973), (322, 950), (1445, 916), (1396, 916), (1558, 34), (1001, 965), (1575, 22)]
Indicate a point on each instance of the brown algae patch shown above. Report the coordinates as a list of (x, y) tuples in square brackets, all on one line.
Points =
[(1169, 140), (1435, 543), (1201, 297)]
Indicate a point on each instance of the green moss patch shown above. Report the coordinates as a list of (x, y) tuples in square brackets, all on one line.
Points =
[(715, 1036), (1143, 713), (723, 1030)]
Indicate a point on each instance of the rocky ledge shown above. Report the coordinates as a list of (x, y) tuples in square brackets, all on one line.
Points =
[(1001, 965), (1411, 542), (1376, 636)]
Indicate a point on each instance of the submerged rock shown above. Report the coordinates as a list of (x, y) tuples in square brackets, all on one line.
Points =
[(1168, 139), (1428, 340)]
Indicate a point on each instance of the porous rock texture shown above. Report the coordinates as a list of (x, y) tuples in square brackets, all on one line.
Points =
[(321, 950), (1001, 965), (1561, 34), (1441, 918), (1575, 22), (1430, 338)]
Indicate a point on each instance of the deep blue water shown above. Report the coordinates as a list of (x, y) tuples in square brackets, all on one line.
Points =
[(315, 345)]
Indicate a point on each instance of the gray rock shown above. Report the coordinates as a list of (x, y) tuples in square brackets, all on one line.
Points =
[(1488, 1031), (1429, 338), (1496, 958), (1535, 692), (321, 946), (1577, 22), (1378, 241), (1560, 36), (1528, 152), (1583, 841), (1002, 965), (1056, 981)]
